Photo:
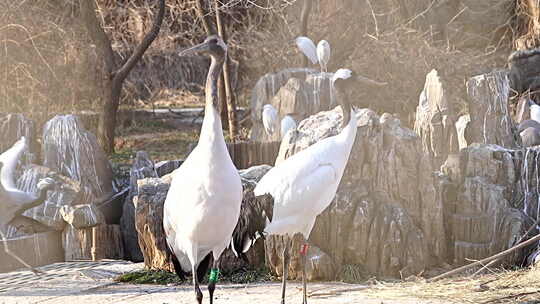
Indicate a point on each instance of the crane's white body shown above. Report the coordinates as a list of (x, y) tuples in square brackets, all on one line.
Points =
[(287, 123), (11, 198), (270, 119), (320, 53), (305, 184), (203, 202), (535, 112)]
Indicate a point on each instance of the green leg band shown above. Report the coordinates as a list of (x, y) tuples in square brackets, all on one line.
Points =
[(214, 273)]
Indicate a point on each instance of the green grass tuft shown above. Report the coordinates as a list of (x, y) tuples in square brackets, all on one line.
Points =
[(160, 277)]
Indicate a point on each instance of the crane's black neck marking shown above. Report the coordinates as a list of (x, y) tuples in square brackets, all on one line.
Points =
[(211, 89)]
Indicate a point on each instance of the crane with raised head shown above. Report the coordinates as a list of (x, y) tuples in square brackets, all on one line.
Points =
[(203, 203), (303, 185)]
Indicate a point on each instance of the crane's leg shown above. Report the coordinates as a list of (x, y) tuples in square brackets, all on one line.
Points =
[(198, 293), (303, 254), (212, 279), (286, 258), (6, 249)]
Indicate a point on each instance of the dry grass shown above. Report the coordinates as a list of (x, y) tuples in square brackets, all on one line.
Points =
[(500, 286)]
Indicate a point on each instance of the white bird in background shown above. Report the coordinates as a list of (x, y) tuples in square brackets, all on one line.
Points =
[(320, 54), (535, 111), (270, 119), (287, 123), (303, 185), (203, 203), (13, 202)]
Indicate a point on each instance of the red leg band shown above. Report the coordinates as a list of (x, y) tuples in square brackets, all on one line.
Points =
[(304, 249)]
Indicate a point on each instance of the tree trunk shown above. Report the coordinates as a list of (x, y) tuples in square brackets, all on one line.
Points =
[(230, 100), (114, 77)]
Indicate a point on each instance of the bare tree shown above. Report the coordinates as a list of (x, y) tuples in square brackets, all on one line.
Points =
[(229, 94), (115, 74)]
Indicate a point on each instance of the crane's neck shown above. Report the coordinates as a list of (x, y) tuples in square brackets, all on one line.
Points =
[(211, 130), (346, 108)]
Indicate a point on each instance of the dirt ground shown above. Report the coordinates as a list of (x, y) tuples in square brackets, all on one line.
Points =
[(91, 282)]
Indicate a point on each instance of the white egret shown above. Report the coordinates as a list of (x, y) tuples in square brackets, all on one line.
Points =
[(287, 123), (13, 202), (319, 54), (270, 119), (203, 203), (535, 111), (303, 185)]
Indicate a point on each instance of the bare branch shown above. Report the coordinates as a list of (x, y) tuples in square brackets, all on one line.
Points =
[(122, 73)]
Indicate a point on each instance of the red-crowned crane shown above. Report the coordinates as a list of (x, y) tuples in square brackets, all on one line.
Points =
[(203, 203), (303, 185)]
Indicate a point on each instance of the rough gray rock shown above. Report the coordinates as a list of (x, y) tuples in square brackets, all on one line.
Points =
[(82, 216), (387, 215), (481, 210), (68, 192), (68, 148), (530, 137), (491, 122), (142, 167), (435, 119)]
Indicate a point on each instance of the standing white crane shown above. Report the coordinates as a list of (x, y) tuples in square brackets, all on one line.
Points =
[(13, 202), (303, 185), (319, 54), (203, 203)]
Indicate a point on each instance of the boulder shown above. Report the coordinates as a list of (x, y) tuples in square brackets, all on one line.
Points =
[(99, 242), (387, 215), (142, 167), (82, 216), (435, 119), (530, 137), (68, 148), (68, 192), (482, 216), (149, 202), (167, 166), (491, 122)]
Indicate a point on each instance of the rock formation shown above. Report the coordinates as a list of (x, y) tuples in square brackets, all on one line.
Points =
[(435, 119)]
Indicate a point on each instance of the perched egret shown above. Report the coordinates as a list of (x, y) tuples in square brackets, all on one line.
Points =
[(287, 123), (303, 185), (320, 53), (203, 203), (13, 202), (535, 111), (270, 119)]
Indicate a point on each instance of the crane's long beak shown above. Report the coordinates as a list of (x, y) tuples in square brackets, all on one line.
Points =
[(203, 47), (370, 82)]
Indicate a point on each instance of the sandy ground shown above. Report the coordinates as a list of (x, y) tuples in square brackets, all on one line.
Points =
[(89, 282)]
